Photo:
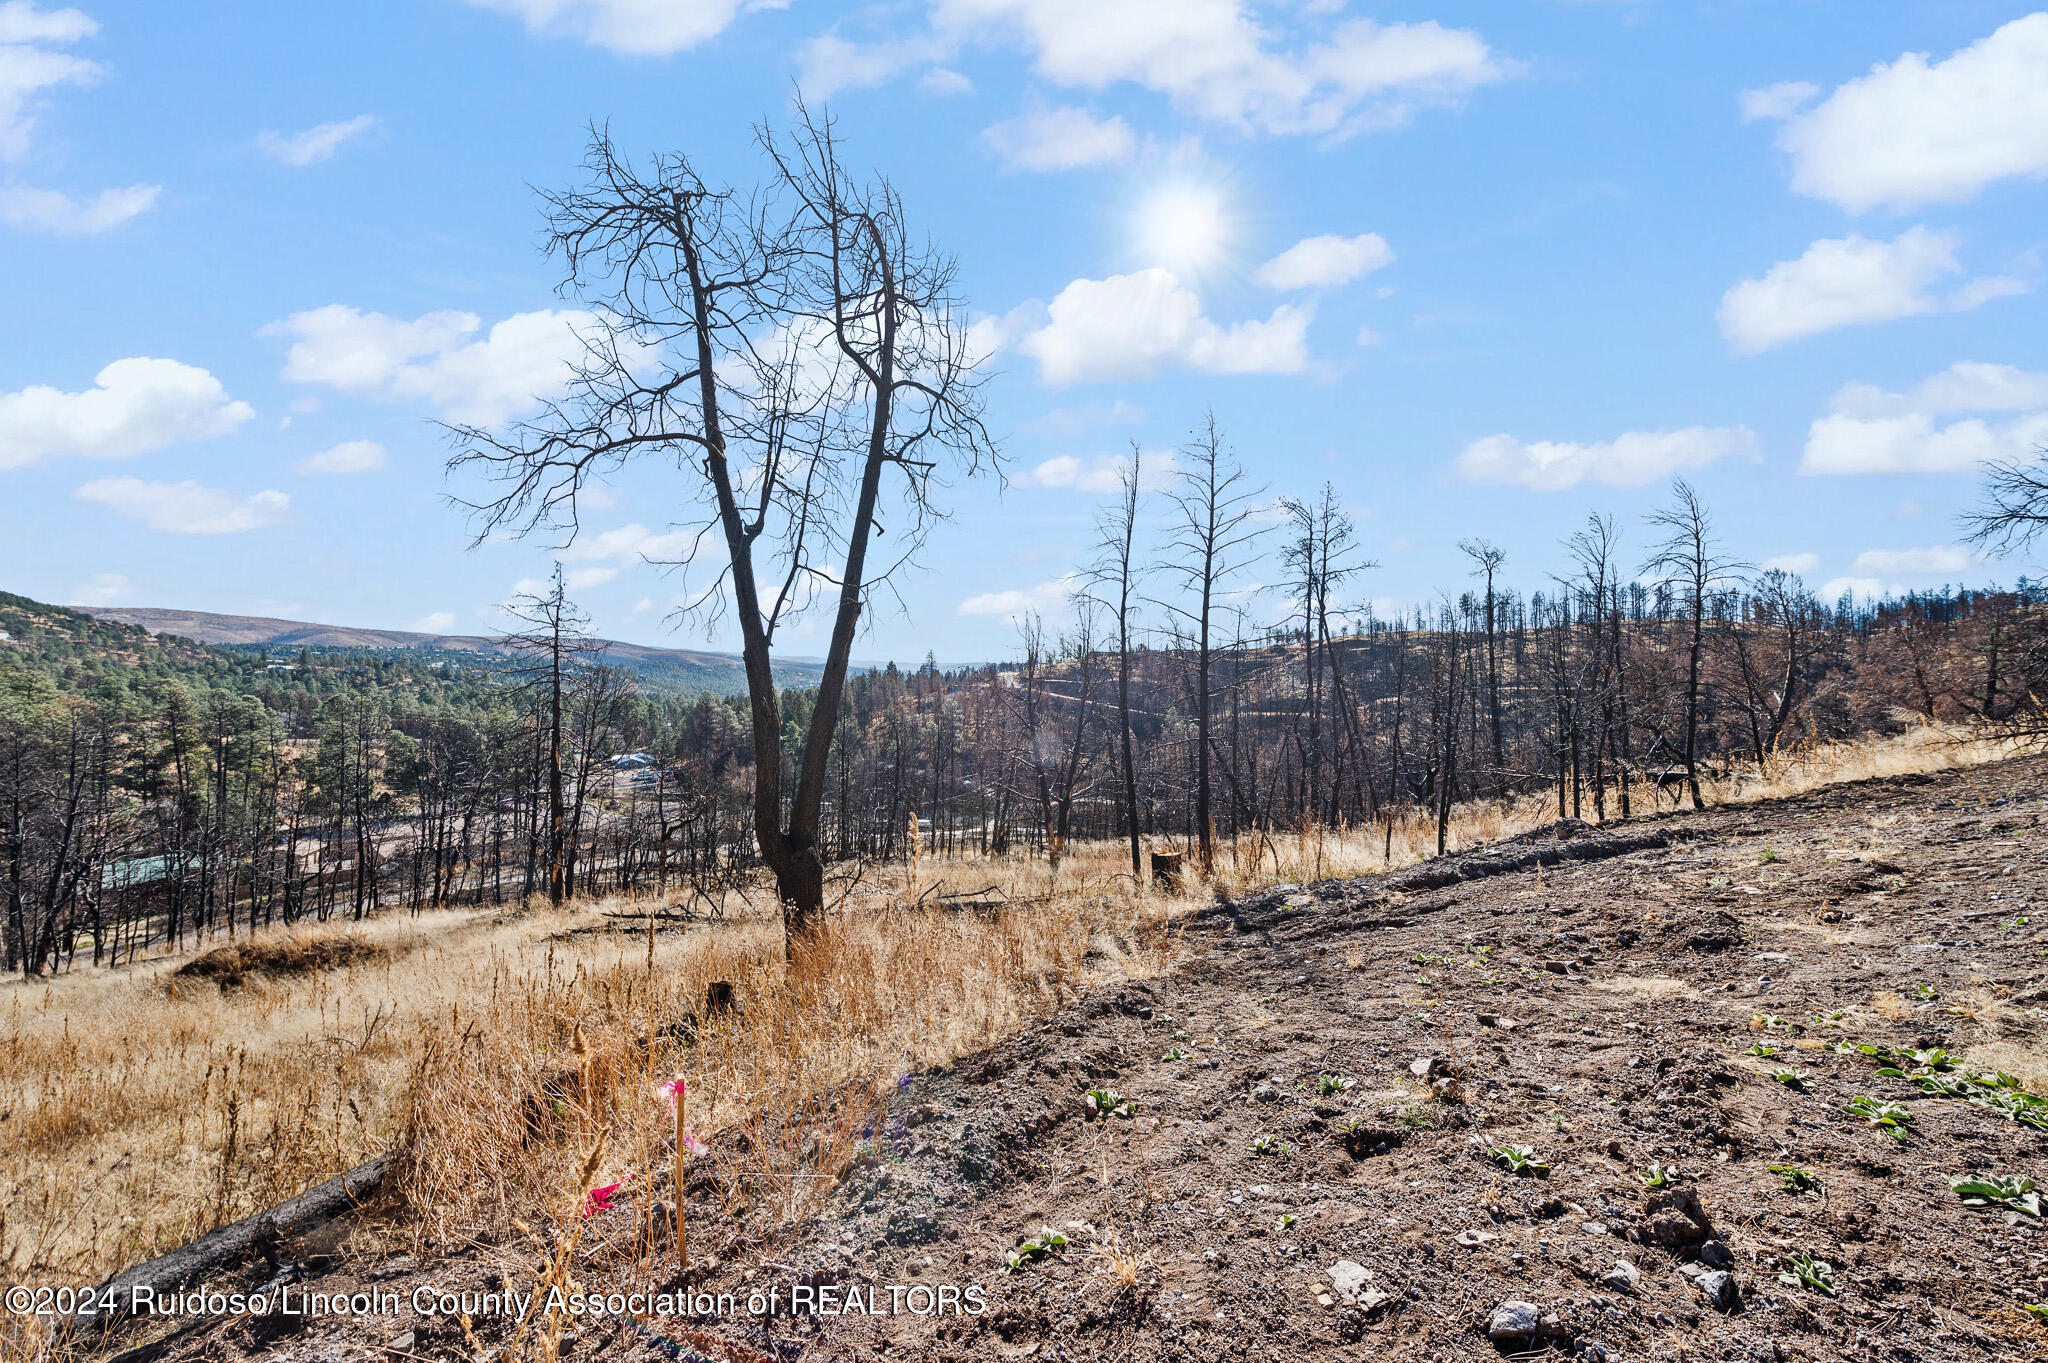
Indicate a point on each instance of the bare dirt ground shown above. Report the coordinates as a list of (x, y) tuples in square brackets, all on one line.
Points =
[(1603, 997)]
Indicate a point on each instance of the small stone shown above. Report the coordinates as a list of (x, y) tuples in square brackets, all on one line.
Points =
[(1324, 1299), (1348, 1279), (1265, 1093), (403, 1342), (1623, 1277), (1714, 1254), (1513, 1320), (1719, 1287), (1594, 1228)]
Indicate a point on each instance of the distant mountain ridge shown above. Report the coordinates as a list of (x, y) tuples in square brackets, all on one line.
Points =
[(671, 668)]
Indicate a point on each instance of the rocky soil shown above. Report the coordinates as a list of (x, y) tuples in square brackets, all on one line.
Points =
[(1586, 1094)]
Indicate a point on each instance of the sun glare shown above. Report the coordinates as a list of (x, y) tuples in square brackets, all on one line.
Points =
[(1185, 226)]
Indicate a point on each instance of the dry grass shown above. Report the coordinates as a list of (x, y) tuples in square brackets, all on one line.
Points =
[(145, 1105)]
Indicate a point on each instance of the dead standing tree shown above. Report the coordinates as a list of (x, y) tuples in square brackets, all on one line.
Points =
[(553, 648), (1213, 538), (1689, 558), (805, 365), (1113, 582)]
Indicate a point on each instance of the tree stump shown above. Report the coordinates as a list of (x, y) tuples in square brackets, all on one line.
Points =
[(1166, 870), (718, 999)]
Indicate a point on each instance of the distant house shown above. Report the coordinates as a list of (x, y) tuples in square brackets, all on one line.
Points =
[(632, 761), (281, 667)]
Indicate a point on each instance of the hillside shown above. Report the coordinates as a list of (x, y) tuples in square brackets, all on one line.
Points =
[(668, 669), (1694, 1086)]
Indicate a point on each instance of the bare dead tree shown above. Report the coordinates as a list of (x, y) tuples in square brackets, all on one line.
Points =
[(2014, 509), (1320, 556), (1212, 540), (1486, 560), (552, 649), (1113, 581), (1690, 558), (803, 362)]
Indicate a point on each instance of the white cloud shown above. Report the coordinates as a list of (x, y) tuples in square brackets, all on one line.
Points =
[(582, 578), (135, 406), (631, 543), (1063, 138), (1916, 132), (1778, 101), (485, 382), (1851, 280), (1792, 563), (29, 65), (653, 28), (435, 622), (1869, 430), (1914, 443), (103, 589), (187, 508), (48, 210), (1127, 326), (1321, 262), (1859, 588), (1043, 597), (829, 63), (351, 456), (1221, 61), (1939, 558), (941, 80), (1104, 474), (315, 144), (1632, 459)]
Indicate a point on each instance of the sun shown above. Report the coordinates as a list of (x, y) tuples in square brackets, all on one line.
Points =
[(1184, 225)]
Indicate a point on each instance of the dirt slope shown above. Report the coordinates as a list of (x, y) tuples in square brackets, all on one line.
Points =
[(1599, 1009)]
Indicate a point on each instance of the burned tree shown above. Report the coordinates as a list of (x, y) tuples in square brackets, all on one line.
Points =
[(1212, 539), (1689, 559), (803, 361)]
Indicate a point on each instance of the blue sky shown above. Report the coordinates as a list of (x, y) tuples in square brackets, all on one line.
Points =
[(1486, 267)]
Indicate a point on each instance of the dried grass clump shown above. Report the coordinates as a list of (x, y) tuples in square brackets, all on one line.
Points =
[(293, 954)]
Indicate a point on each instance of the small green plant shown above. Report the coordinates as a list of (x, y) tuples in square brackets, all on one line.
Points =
[(1181, 1034), (1285, 1223), (1109, 1103), (1890, 1118), (1519, 1160), (1270, 1145), (1658, 1176), (1040, 1246), (1807, 1271), (1793, 1179), (1923, 991), (1334, 1083), (1763, 1050), (2021, 1194), (1768, 857), (1789, 1077), (1831, 1018), (1768, 1021), (1178, 1053)]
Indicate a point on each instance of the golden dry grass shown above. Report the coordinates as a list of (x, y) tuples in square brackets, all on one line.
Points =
[(144, 1107)]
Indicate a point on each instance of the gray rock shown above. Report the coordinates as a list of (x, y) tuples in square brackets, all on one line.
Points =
[(1714, 1254), (1719, 1287), (1514, 1320), (403, 1342), (1266, 1093), (1623, 1277), (1348, 1279)]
